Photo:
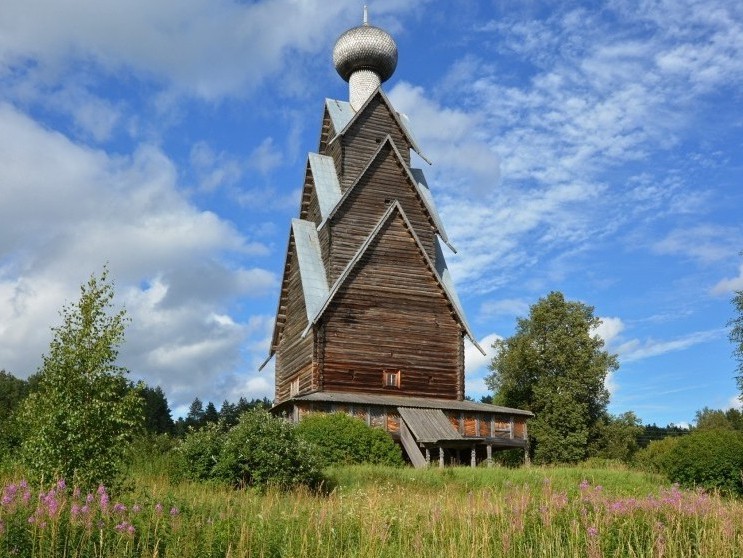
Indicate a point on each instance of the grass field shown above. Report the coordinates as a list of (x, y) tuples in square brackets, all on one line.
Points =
[(378, 512)]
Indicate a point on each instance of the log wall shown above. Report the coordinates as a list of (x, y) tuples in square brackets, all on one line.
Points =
[(391, 314), (384, 182), (294, 353), (364, 137)]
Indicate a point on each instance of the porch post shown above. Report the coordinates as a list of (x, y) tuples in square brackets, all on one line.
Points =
[(441, 457), (473, 456), (489, 449), (428, 457)]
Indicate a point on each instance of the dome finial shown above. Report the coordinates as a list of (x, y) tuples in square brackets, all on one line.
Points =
[(365, 57)]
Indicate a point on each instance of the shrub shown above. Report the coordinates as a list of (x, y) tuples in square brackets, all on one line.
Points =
[(260, 450), (712, 459), (344, 440), (199, 452), (657, 455)]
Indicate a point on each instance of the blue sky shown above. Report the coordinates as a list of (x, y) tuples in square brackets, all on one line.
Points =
[(589, 148)]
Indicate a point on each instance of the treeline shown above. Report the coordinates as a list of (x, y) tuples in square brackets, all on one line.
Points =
[(156, 414)]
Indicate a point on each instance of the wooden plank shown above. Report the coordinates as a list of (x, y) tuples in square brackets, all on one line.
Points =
[(411, 448)]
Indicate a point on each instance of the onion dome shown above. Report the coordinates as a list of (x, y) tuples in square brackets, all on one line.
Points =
[(365, 47)]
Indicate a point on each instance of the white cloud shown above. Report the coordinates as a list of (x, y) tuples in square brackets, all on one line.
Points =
[(474, 361), (726, 285), (609, 329), (704, 243), (68, 209), (505, 307), (637, 350), (735, 403)]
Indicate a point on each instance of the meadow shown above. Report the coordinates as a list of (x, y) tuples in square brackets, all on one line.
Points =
[(370, 511)]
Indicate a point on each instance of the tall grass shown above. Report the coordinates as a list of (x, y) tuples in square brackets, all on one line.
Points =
[(379, 512)]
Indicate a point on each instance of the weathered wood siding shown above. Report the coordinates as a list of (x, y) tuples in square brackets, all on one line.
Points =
[(388, 418), (391, 314), (354, 220), (363, 138), (294, 353)]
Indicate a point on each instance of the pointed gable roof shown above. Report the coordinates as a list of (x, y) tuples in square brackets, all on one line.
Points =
[(394, 209), (343, 118), (306, 244), (417, 181), (322, 175)]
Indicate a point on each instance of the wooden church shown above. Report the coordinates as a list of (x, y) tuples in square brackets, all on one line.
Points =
[(368, 320)]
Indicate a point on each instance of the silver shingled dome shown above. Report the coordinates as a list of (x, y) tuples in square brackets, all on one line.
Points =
[(365, 47)]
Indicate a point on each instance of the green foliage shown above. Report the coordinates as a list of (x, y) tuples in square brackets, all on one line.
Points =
[(261, 451), (736, 337), (344, 440), (656, 457), (12, 393), (709, 419), (157, 417), (617, 437), (712, 459), (84, 413), (199, 452), (555, 366)]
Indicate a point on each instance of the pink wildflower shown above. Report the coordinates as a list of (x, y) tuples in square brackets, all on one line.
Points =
[(136, 508), (159, 507), (61, 484), (119, 508), (592, 531), (174, 511)]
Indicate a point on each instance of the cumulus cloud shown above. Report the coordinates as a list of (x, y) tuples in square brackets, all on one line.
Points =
[(609, 329), (68, 209)]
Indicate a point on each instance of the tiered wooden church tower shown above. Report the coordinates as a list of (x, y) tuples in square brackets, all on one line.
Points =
[(368, 320)]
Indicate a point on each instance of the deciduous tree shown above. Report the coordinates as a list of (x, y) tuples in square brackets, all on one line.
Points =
[(84, 412), (555, 366), (736, 337)]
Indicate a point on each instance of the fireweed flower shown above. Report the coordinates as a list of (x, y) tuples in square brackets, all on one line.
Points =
[(89, 498), (159, 507), (119, 508), (174, 511), (61, 484), (136, 508)]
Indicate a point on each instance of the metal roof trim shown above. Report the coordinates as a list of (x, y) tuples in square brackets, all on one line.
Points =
[(405, 128), (325, 179), (404, 401), (311, 268), (395, 206), (431, 209)]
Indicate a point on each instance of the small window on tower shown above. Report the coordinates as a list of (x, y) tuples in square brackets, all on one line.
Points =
[(391, 378)]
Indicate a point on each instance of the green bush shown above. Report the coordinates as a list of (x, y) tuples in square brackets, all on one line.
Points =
[(656, 457), (712, 459), (343, 440), (199, 452), (260, 450)]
